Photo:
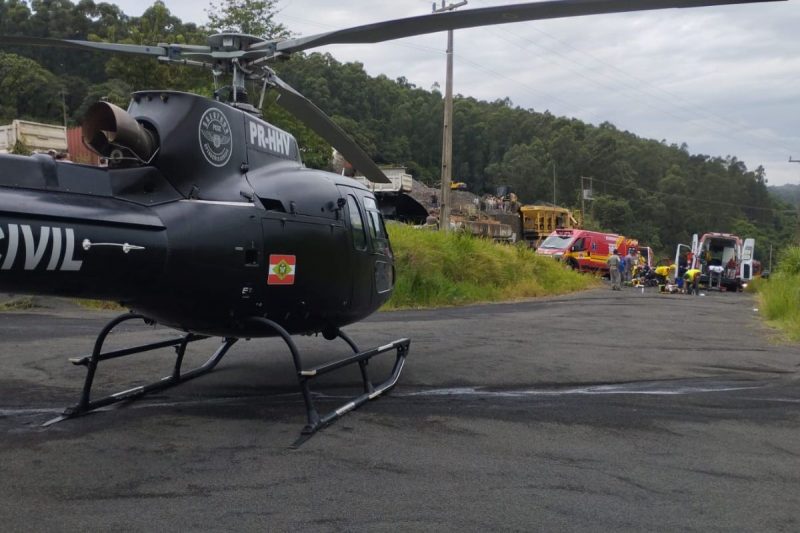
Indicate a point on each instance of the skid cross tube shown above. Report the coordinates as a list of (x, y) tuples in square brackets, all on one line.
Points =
[(304, 376), (86, 404)]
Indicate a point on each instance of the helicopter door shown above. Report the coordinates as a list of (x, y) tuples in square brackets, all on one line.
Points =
[(306, 270), (746, 268)]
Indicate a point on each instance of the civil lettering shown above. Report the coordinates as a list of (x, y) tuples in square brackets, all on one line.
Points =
[(36, 247), (55, 254), (34, 252), (13, 244), (70, 264)]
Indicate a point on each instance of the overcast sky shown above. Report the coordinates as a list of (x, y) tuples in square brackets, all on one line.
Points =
[(724, 80)]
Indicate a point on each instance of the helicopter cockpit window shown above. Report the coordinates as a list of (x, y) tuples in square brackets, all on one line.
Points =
[(356, 224), (377, 230)]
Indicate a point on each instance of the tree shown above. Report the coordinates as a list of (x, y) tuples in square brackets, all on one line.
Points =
[(654, 191), (523, 170), (253, 17), (75, 90), (157, 24), (613, 214), (27, 91), (115, 91), (14, 17)]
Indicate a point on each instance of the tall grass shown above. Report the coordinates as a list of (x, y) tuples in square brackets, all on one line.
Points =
[(789, 261), (780, 294), (434, 269)]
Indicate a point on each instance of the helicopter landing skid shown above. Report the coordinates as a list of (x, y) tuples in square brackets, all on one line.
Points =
[(315, 421), (305, 376), (86, 404)]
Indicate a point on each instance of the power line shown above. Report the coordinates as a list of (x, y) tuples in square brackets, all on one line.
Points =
[(725, 125), (530, 89), (690, 108), (495, 73), (533, 90), (476, 65), (701, 200)]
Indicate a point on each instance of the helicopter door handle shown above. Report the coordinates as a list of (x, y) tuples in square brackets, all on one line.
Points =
[(126, 248)]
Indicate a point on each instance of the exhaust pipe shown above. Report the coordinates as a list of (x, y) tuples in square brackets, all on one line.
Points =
[(108, 128)]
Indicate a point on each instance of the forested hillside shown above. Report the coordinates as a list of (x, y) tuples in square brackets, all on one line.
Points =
[(789, 193), (656, 192)]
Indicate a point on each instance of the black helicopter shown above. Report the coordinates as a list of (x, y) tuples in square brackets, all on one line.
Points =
[(206, 220)]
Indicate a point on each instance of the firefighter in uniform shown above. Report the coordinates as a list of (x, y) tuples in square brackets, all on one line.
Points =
[(614, 262), (690, 280)]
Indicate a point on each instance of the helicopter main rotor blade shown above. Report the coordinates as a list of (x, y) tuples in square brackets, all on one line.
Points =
[(85, 45), (470, 18), (325, 127)]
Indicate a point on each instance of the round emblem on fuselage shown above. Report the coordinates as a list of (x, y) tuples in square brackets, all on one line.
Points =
[(216, 141)]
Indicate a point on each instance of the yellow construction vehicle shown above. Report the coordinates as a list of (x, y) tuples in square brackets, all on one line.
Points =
[(539, 221)]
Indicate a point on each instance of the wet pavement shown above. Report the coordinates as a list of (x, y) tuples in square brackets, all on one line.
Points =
[(597, 411)]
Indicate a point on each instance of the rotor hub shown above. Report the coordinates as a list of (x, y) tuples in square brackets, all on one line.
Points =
[(232, 42)]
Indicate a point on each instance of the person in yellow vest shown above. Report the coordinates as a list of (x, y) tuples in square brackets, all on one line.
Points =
[(663, 272), (691, 279)]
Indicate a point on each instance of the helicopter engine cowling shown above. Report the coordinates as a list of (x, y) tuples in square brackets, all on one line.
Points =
[(110, 131)]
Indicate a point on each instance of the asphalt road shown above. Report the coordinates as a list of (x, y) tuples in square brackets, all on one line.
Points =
[(599, 411)]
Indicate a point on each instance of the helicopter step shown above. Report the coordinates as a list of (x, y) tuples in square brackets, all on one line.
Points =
[(305, 375)]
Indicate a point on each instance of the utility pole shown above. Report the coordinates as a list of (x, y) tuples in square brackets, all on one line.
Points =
[(583, 197), (583, 204), (447, 129), (64, 105), (554, 182)]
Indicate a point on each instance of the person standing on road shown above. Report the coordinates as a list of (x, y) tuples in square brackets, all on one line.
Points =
[(630, 260), (614, 263)]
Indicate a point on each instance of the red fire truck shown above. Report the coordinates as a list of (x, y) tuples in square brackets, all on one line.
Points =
[(583, 249)]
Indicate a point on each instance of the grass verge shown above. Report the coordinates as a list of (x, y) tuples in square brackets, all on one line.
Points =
[(779, 298), (18, 304), (100, 305), (434, 269)]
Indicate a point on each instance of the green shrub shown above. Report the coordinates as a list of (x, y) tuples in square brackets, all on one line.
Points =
[(789, 261), (437, 269), (780, 302), (20, 148)]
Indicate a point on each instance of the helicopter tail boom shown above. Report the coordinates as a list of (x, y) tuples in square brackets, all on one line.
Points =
[(54, 242)]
